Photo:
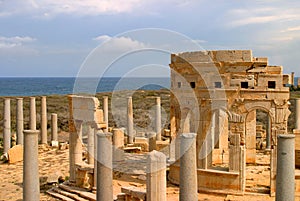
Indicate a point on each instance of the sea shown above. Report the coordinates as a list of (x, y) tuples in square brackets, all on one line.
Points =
[(36, 86)]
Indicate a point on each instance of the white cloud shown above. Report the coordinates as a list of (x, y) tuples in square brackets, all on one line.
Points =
[(291, 29), (10, 42), (115, 44)]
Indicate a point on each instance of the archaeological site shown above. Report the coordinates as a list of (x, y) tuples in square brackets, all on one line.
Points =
[(228, 129)]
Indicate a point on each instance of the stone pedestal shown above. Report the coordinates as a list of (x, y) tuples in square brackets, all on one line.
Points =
[(54, 136), (158, 119), (156, 177), (285, 177), (152, 141), (118, 144), (130, 132), (188, 168), (6, 126), (31, 186), (43, 120), (104, 168), (20, 121), (105, 110)]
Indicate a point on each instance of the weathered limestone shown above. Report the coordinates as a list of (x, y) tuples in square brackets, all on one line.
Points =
[(105, 111), (91, 144), (20, 121), (268, 135), (43, 120), (15, 154), (152, 141), (158, 118), (104, 168), (31, 186), (285, 177), (75, 149), (156, 177), (32, 124), (6, 126), (297, 108), (130, 131), (54, 136), (188, 168), (118, 138)]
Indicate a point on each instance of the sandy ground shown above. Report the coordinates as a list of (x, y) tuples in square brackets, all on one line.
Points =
[(53, 162)]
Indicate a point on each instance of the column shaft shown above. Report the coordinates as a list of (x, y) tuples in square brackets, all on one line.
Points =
[(54, 136), (43, 120), (20, 121), (104, 168), (297, 108), (32, 119), (31, 186), (6, 126), (130, 121), (91, 145), (156, 177), (285, 176), (188, 168), (158, 118), (105, 110)]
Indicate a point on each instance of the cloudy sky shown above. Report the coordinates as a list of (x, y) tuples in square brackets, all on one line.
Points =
[(55, 38)]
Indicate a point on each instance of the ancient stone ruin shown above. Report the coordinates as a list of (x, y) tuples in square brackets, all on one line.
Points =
[(215, 99)]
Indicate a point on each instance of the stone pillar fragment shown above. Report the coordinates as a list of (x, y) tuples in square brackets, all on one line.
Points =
[(152, 141), (91, 145), (20, 121), (6, 126), (156, 177), (104, 168), (118, 138), (31, 186), (269, 133), (32, 119), (54, 137), (158, 118), (188, 168), (105, 110), (43, 120), (75, 149), (130, 121), (297, 108), (285, 177)]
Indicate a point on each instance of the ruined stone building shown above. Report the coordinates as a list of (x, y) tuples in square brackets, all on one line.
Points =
[(216, 94)]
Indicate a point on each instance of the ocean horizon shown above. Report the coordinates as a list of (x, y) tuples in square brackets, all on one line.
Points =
[(37, 86)]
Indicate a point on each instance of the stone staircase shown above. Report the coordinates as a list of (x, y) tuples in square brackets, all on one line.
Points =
[(70, 193)]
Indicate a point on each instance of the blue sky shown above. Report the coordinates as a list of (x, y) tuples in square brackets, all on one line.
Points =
[(55, 38)]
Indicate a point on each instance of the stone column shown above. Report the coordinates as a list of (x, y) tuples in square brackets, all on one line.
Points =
[(54, 137), (75, 149), (158, 119), (31, 186), (156, 177), (297, 118), (105, 111), (91, 144), (269, 134), (6, 126), (43, 120), (104, 168), (130, 120), (188, 168), (285, 177), (152, 141), (20, 121), (32, 119), (118, 138)]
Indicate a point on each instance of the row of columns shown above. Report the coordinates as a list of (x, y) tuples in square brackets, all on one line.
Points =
[(32, 121), (130, 130)]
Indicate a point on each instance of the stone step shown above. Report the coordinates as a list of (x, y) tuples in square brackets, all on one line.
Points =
[(58, 195), (68, 194), (78, 191)]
